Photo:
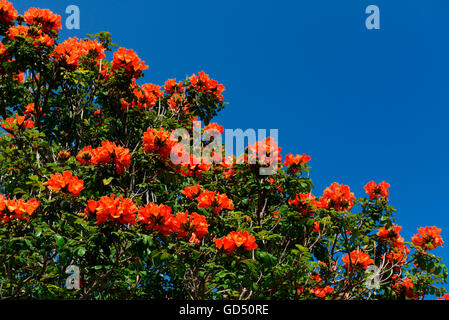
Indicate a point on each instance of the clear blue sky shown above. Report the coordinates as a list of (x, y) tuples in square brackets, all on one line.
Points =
[(366, 105)]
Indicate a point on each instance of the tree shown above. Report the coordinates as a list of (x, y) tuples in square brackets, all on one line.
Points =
[(88, 183)]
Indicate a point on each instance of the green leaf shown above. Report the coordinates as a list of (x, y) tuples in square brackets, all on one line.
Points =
[(107, 181), (81, 252)]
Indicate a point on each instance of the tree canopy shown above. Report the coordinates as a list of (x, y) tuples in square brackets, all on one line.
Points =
[(88, 183)]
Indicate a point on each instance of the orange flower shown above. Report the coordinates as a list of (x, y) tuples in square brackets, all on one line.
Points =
[(215, 200), (145, 97), (428, 238), (7, 12), (85, 156), (391, 235), (177, 102), (305, 203), (338, 197), (109, 152), (3, 50), (316, 226), (128, 59), (227, 164), (195, 167), (294, 163), (91, 207), (36, 38), (374, 191), (214, 126), (191, 191), (322, 292), (204, 84), (206, 199), (223, 202), (158, 141), (172, 87), (15, 31), (405, 286), (43, 18), (66, 182), (16, 209), (29, 109), (117, 209), (236, 240), (188, 225), (265, 152), (156, 217), (398, 255), (445, 297), (20, 122), (73, 50), (357, 259)]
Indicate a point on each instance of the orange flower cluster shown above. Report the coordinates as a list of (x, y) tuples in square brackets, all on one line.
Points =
[(156, 217), (391, 235), (211, 199), (15, 209), (3, 51), (192, 192), (195, 167), (116, 209), (146, 97), (44, 18), (428, 238), (316, 226), (357, 259), (375, 191), (265, 151), (399, 250), (173, 87), (66, 183), (445, 297), (317, 290), (109, 152), (15, 31), (398, 255), (72, 50), (322, 292), (29, 110), (7, 12), (158, 141), (193, 226), (204, 84), (128, 59), (404, 286), (338, 197), (159, 218), (306, 203), (214, 126), (19, 122), (294, 163), (236, 240), (37, 38), (227, 165), (19, 76)]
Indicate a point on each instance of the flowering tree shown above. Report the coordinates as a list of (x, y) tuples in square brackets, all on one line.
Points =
[(88, 182)]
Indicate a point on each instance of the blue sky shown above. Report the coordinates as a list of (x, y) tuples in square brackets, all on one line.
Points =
[(365, 104)]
